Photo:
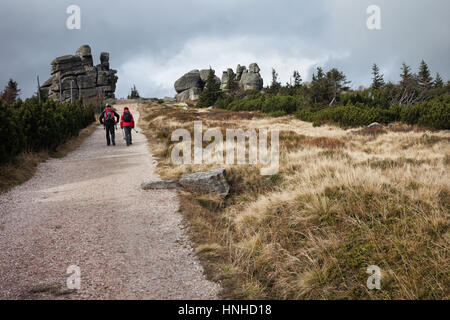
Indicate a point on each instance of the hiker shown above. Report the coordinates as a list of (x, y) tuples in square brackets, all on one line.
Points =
[(108, 120), (126, 124)]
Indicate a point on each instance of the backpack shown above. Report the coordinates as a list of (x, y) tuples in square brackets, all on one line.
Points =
[(127, 117), (109, 115)]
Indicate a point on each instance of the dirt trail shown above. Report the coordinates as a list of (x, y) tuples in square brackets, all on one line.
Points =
[(87, 209)]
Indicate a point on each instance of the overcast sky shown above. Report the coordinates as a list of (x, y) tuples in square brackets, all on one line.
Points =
[(152, 43)]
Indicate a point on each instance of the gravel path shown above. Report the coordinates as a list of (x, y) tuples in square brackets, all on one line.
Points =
[(87, 209)]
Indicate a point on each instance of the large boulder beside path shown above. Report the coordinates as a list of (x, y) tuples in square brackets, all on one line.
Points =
[(209, 182), (206, 182)]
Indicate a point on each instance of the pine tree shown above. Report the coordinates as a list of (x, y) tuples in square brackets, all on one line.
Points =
[(336, 83), (377, 80), (231, 83), (319, 85), (297, 79), (319, 76), (11, 92), (438, 82), (275, 86), (327, 87), (211, 93), (424, 77), (134, 93), (406, 75), (409, 90)]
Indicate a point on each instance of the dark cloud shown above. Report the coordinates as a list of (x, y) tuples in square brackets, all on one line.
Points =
[(154, 42)]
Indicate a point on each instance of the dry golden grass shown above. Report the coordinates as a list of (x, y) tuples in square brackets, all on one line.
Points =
[(23, 167), (342, 200)]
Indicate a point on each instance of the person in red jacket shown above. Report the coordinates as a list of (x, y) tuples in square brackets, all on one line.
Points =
[(127, 124)]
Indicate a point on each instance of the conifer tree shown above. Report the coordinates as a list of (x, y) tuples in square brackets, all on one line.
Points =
[(424, 78), (275, 86), (11, 92), (134, 93), (406, 75), (377, 80), (438, 82), (211, 93), (297, 79), (231, 83)]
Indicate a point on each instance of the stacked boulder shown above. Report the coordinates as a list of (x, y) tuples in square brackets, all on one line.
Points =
[(74, 76), (227, 75), (239, 71), (251, 79), (246, 79), (190, 85)]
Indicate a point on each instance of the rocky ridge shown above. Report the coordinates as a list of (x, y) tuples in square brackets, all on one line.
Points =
[(75, 76), (191, 84)]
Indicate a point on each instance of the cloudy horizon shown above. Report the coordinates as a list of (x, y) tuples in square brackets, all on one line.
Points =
[(152, 43)]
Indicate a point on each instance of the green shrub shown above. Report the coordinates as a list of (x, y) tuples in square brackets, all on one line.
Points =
[(224, 102), (30, 126), (211, 93), (246, 104), (287, 104), (278, 113), (254, 101), (434, 113)]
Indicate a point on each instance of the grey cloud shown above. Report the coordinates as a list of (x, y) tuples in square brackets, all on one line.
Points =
[(158, 34)]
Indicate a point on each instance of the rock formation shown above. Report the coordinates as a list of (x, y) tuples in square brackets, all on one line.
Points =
[(247, 79), (251, 79), (78, 77), (239, 71), (226, 76), (190, 85)]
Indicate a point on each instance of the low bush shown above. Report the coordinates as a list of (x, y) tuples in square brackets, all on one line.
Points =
[(434, 113), (277, 114), (287, 104), (30, 126), (274, 105)]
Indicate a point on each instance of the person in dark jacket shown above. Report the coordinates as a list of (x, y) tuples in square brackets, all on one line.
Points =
[(127, 123), (109, 118)]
